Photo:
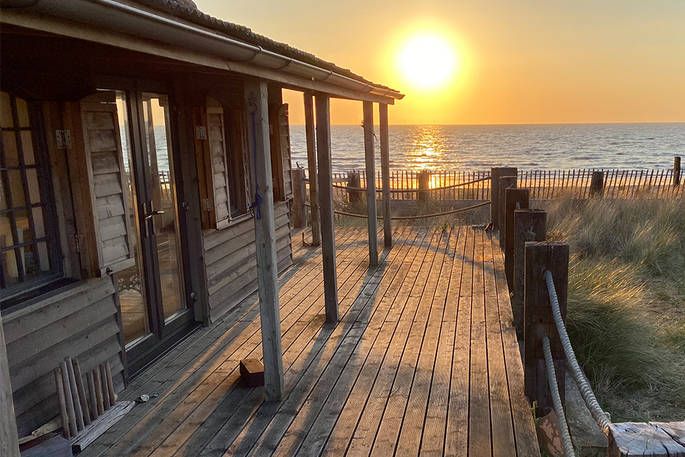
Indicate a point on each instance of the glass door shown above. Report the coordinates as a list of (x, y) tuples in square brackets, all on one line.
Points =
[(152, 293)]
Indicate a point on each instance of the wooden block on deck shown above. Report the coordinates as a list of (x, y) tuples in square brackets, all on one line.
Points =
[(252, 372)]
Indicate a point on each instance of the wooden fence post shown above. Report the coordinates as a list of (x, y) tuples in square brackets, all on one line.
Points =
[(424, 178), (505, 182), (513, 199), (369, 156), (597, 184), (676, 171), (297, 176), (495, 174), (529, 225), (538, 320), (354, 182)]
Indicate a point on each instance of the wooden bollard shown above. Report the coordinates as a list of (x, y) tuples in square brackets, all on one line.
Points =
[(676, 171), (597, 184), (298, 212), (529, 225), (424, 178), (538, 320), (513, 199), (505, 182), (354, 182), (495, 174)]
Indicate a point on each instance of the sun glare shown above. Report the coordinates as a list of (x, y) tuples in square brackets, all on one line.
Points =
[(427, 61)]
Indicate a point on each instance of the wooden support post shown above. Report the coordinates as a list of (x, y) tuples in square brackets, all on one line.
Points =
[(505, 182), (529, 225), (676, 171), (424, 178), (9, 441), (354, 183), (310, 135), (513, 199), (256, 96), (297, 176), (597, 184), (385, 173), (495, 174), (369, 155), (323, 155), (538, 320)]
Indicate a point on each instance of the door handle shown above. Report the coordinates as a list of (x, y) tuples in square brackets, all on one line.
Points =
[(157, 212)]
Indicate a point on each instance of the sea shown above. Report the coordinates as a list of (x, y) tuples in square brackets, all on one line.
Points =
[(479, 147)]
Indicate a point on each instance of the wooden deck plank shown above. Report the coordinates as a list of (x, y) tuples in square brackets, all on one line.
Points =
[(423, 361), (325, 371), (412, 428), (391, 423), (500, 407), (188, 425), (364, 364), (479, 392), (217, 379), (364, 432), (143, 420), (524, 426), (433, 439), (456, 435), (249, 405)]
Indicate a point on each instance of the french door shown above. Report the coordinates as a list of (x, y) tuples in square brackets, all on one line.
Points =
[(155, 306)]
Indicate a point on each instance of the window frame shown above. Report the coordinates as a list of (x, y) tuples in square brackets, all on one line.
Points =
[(24, 289)]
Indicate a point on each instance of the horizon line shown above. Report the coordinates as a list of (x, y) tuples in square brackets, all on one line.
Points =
[(512, 124)]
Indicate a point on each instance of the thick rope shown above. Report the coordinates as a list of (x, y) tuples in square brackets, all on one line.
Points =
[(556, 399), (600, 416), (401, 191), (409, 218)]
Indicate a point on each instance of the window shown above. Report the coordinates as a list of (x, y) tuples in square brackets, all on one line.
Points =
[(222, 167), (28, 247)]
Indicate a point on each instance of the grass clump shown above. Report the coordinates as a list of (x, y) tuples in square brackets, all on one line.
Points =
[(626, 304)]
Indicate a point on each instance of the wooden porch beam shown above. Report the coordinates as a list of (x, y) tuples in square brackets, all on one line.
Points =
[(323, 155), (310, 135), (370, 183), (385, 173), (9, 444), (256, 96)]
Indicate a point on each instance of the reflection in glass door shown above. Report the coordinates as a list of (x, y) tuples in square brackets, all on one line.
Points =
[(162, 215), (152, 297)]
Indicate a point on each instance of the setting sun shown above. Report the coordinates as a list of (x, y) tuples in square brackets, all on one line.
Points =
[(427, 61)]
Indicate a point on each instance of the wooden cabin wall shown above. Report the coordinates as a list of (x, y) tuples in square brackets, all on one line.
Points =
[(79, 322), (231, 264)]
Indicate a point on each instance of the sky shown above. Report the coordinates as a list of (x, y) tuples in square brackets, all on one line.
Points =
[(515, 62)]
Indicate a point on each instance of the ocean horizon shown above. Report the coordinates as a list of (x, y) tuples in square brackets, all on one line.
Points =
[(528, 146)]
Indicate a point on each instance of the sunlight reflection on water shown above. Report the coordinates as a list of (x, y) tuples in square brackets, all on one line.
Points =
[(524, 146)]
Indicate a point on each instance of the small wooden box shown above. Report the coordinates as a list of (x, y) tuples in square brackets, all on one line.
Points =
[(252, 372)]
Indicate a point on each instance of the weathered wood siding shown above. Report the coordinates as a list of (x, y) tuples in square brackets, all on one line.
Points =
[(110, 190), (79, 321), (230, 260)]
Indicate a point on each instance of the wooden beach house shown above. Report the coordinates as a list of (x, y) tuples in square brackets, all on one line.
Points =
[(145, 184)]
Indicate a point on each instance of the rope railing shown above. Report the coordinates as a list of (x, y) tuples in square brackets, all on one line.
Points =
[(600, 416), (402, 191), (407, 218), (556, 399)]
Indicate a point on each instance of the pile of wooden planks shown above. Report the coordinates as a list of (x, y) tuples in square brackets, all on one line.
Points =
[(80, 406)]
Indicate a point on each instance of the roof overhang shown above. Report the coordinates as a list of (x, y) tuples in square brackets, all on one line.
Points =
[(132, 27)]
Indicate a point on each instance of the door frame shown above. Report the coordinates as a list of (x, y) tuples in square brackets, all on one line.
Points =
[(163, 336)]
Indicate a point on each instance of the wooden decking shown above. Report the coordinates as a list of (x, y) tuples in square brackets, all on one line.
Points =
[(424, 361)]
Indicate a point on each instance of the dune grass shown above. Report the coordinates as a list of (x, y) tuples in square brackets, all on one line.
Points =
[(626, 309)]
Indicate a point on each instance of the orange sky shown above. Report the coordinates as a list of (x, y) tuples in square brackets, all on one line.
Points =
[(519, 61)]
